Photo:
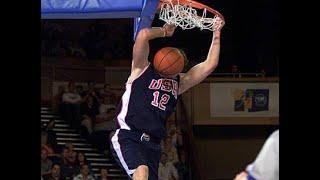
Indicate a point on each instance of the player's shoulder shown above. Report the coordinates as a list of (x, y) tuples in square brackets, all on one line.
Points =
[(137, 72)]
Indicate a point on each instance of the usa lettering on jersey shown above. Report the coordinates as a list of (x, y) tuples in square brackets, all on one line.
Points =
[(167, 85)]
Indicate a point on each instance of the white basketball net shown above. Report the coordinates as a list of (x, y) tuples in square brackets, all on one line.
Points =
[(186, 17)]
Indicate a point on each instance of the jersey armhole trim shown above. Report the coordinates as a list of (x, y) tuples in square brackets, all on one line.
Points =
[(131, 81)]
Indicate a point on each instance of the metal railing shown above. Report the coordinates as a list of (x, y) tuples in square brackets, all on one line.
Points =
[(237, 75)]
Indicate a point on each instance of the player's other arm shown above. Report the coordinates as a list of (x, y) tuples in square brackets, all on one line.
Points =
[(200, 71), (141, 47)]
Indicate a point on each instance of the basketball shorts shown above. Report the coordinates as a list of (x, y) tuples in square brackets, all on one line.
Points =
[(132, 149)]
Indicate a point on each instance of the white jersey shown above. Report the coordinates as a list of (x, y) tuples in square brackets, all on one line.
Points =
[(266, 165)]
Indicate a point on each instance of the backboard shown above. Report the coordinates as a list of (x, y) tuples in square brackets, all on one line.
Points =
[(142, 11)]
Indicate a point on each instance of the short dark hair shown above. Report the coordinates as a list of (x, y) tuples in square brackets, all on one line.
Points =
[(186, 60)]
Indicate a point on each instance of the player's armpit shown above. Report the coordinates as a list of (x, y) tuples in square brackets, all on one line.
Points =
[(195, 75)]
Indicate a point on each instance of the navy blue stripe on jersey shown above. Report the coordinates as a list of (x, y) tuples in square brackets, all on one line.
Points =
[(121, 117), (147, 102)]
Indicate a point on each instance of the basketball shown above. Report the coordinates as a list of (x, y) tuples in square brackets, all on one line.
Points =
[(169, 61)]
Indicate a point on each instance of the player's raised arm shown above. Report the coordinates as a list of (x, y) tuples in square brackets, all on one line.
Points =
[(141, 47), (200, 71)]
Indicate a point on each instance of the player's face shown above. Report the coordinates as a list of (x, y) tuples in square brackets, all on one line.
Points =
[(169, 76)]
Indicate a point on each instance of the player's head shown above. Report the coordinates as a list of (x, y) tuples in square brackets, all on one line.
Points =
[(185, 60)]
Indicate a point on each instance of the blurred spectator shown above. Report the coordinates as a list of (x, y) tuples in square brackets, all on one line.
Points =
[(103, 174), (84, 174), (57, 50), (91, 92), (103, 125), (170, 150), (46, 163), (166, 169), (89, 110), (55, 173), (81, 160), (105, 121), (57, 100), (67, 169), (71, 105), (176, 137), (72, 155), (75, 50), (263, 73), (181, 166), (106, 114), (107, 92), (235, 71), (45, 144), (52, 138), (105, 105), (79, 89)]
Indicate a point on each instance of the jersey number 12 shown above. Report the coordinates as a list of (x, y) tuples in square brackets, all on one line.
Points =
[(163, 101)]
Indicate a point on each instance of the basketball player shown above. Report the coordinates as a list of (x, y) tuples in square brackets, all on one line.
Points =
[(266, 165), (148, 101)]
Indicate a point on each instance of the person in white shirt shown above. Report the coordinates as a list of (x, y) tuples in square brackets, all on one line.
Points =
[(84, 174), (266, 165), (105, 105), (71, 96), (170, 150), (166, 170)]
